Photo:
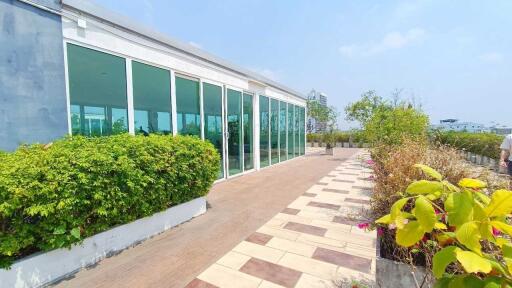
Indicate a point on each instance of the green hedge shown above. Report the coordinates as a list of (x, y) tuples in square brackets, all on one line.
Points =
[(485, 144), (55, 195), (339, 137)]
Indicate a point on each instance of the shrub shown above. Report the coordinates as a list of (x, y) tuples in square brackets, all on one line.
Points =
[(467, 229), (394, 171), (485, 144), (55, 195)]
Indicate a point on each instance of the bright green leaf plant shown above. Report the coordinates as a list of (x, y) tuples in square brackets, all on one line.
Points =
[(469, 229), (53, 196)]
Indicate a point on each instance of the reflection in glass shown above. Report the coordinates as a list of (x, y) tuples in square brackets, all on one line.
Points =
[(296, 131), (234, 107), (301, 134), (188, 106), (151, 99), (282, 132), (212, 101), (264, 131), (290, 131), (97, 88), (248, 124), (274, 131)]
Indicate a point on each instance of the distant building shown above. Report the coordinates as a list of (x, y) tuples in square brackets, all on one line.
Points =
[(501, 130), (314, 126), (455, 125)]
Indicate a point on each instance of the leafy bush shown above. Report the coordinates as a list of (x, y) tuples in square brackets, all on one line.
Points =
[(485, 144), (55, 195), (388, 122), (467, 229)]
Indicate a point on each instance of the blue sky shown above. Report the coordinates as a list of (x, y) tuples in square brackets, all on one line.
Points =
[(453, 57)]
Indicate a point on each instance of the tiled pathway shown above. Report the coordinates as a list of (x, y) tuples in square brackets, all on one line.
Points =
[(313, 242)]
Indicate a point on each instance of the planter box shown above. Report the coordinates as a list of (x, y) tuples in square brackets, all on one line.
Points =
[(339, 144), (309, 144), (315, 144), (346, 145), (45, 268), (329, 151), (395, 274)]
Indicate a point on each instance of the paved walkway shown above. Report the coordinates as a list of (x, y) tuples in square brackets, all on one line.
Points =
[(238, 207), (314, 242)]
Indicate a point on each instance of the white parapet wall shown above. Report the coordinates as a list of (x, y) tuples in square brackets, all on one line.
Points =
[(47, 267)]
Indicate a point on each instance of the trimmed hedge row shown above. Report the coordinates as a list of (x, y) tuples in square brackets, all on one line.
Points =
[(339, 137), (55, 195), (485, 144)]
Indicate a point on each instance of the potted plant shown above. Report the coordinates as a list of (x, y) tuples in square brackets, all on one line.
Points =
[(329, 143), (327, 115)]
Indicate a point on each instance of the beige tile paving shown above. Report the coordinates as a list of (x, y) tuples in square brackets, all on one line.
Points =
[(295, 250)]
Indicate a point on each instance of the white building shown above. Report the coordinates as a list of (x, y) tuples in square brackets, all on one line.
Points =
[(455, 125)]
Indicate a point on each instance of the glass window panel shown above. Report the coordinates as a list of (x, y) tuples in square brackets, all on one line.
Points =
[(212, 101), (151, 99), (296, 120), (97, 88), (264, 131), (274, 130), (234, 113), (282, 132), (248, 135), (302, 132), (290, 131), (188, 106)]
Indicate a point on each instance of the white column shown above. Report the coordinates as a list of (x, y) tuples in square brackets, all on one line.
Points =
[(173, 104), (201, 108), (129, 94)]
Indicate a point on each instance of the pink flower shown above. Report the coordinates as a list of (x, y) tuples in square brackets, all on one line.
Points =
[(370, 162), (380, 231), (363, 226), (495, 232), (371, 178)]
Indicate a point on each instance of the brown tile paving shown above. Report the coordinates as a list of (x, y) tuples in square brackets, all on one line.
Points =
[(345, 220), (238, 207), (290, 211), (335, 190), (198, 283), (346, 173), (322, 183), (258, 238), (343, 259), (309, 194), (353, 168), (330, 175), (324, 205), (358, 201), (303, 228), (343, 181), (271, 272)]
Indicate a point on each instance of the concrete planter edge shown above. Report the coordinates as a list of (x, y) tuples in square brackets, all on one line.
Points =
[(44, 268)]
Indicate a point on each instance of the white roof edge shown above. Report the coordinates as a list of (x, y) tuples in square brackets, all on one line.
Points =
[(97, 11)]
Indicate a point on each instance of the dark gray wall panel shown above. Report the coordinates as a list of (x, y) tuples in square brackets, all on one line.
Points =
[(32, 82)]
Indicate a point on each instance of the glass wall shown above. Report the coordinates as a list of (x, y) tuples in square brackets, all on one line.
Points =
[(296, 131), (151, 99), (274, 131), (212, 108), (282, 132), (290, 131), (235, 147), (301, 134), (248, 132), (97, 90), (188, 106), (264, 131)]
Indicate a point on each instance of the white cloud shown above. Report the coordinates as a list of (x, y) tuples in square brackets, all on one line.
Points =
[(492, 57), (348, 50), (197, 45), (390, 41)]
